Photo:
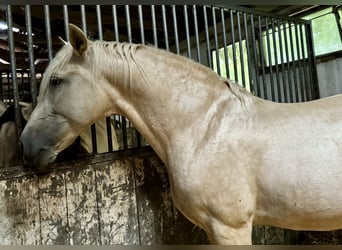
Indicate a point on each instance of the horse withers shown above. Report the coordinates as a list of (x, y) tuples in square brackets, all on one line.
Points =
[(233, 159)]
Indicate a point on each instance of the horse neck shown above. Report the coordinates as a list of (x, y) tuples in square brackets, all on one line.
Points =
[(166, 95)]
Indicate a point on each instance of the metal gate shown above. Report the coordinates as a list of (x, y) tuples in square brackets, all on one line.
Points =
[(270, 55)]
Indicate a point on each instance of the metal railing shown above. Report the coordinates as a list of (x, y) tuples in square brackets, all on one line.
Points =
[(271, 56)]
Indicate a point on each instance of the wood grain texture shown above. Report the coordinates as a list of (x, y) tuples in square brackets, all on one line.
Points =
[(53, 209), (19, 211), (82, 206), (117, 203)]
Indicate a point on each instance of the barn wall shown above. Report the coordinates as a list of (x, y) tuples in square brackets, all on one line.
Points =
[(119, 198), (329, 77)]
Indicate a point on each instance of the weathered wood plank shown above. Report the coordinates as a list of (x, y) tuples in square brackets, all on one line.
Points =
[(54, 212), (82, 207), (19, 211), (117, 202), (160, 221)]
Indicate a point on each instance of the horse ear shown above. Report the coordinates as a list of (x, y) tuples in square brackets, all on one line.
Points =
[(77, 39), (62, 40)]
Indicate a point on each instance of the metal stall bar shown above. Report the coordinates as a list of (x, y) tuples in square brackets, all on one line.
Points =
[(83, 19), (33, 83), (275, 53), (66, 21), (262, 59), (13, 69), (293, 63), (154, 25), (314, 88), (48, 31), (282, 58), (198, 49), (287, 53), (186, 21), (207, 36), (166, 36), (300, 68), (141, 24), (218, 68), (225, 42), (115, 23), (236, 78), (269, 59), (242, 67), (255, 59), (305, 78), (174, 15), (251, 87)]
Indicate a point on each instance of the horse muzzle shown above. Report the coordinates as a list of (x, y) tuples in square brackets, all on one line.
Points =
[(35, 153)]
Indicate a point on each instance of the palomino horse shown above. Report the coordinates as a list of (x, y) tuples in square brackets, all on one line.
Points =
[(233, 159)]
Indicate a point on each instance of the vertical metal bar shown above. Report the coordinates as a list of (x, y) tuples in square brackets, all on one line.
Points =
[(99, 22), (305, 78), (66, 21), (128, 23), (224, 32), (251, 87), (48, 31), (262, 59), (13, 69), (115, 23), (166, 37), (154, 25), (207, 36), (300, 79), (288, 62), (269, 58), (218, 66), (175, 26), (141, 24), (186, 21), (275, 53), (282, 60), (232, 28), (293, 63), (255, 53), (33, 83), (312, 62), (241, 51), (83, 19), (198, 49)]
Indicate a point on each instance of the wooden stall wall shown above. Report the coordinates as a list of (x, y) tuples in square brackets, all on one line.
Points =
[(118, 198)]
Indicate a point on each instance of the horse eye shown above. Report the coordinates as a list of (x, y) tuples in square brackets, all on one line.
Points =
[(55, 81)]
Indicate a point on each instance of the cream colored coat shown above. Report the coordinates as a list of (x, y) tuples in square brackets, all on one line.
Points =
[(233, 159)]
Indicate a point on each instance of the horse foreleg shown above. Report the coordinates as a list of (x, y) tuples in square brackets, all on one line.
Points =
[(226, 235)]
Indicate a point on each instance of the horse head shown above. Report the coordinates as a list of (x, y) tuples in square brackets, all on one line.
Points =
[(71, 97)]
